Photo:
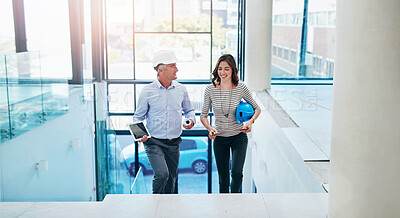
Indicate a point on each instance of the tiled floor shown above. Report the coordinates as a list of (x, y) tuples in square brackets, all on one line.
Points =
[(306, 205)]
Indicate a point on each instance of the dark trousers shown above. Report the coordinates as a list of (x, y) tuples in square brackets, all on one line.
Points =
[(163, 155), (222, 149)]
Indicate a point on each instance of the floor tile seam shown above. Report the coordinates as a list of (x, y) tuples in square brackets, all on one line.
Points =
[(29, 208), (157, 208), (266, 206)]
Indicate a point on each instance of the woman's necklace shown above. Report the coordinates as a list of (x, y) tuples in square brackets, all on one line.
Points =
[(229, 105)]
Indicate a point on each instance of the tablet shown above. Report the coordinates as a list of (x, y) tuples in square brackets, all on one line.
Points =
[(138, 130)]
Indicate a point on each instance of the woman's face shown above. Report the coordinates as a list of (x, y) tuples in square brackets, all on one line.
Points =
[(224, 71)]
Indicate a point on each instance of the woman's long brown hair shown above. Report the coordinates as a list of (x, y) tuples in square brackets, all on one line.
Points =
[(216, 80)]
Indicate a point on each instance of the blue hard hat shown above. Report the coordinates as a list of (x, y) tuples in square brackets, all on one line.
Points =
[(244, 112)]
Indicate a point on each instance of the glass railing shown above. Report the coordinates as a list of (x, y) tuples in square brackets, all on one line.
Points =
[(139, 185), (118, 168), (113, 175), (30, 98), (114, 158)]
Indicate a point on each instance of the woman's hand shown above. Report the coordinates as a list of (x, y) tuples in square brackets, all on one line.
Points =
[(212, 133), (247, 127)]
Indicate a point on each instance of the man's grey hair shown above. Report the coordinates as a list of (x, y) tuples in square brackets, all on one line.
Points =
[(162, 66)]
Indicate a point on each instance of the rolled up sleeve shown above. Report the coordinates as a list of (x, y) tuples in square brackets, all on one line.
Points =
[(188, 108), (206, 103), (142, 108)]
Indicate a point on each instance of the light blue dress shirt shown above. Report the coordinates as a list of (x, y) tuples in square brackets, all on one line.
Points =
[(162, 108)]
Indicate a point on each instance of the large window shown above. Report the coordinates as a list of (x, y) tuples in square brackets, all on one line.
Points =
[(192, 51), (311, 45), (319, 45), (7, 41), (183, 26), (137, 29), (119, 20), (48, 31)]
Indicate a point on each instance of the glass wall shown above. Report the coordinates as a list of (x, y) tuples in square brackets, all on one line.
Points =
[(4, 109), (318, 39), (29, 99), (25, 98)]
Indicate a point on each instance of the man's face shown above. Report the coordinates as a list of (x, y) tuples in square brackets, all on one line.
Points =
[(170, 72)]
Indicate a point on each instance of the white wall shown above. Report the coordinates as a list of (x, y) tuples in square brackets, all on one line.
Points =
[(276, 166), (70, 175)]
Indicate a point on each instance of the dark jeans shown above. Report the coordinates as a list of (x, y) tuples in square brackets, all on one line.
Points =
[(163, 155), (222, 148)]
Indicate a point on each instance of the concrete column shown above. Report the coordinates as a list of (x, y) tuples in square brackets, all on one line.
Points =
[(258, 44), (365, 150)]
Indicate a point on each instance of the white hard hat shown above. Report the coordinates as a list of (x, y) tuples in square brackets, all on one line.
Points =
[(164, 57)]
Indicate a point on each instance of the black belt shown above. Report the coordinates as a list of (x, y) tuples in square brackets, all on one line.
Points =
[(165, 140)]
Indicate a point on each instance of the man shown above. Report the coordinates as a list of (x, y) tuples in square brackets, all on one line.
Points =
[(161, 103)]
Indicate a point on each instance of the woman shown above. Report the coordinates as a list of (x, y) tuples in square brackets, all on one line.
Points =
[(225, 94)]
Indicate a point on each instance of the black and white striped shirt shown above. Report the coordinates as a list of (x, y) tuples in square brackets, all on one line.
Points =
[(226, 102)]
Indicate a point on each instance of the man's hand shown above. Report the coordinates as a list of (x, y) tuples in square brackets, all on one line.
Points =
[(189, 126), (143, 139)]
